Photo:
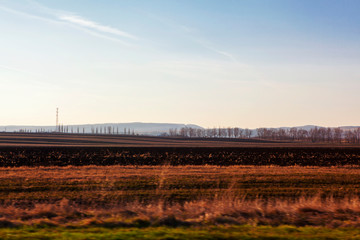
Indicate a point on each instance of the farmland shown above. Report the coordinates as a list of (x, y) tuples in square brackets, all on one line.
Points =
[(108, 140), (54, 186), (98, 140), (222, 156), (134, 201), (109, 185)]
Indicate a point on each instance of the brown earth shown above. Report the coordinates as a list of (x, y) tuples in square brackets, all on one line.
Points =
[(91, 140), (50, 149)]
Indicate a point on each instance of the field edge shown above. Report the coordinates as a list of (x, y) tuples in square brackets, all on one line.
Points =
[(209, 232)]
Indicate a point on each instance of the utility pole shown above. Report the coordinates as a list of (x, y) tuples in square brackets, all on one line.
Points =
[(57, 120)]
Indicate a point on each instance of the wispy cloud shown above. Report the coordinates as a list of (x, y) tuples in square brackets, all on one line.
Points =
[(226, 54), (96, 26), (54, 16), (28, 15), (190, 33), (211, 48), (103, 36)]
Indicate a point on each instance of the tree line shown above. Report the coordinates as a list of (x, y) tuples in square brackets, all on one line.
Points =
[(211, 132), (316, 134), (82, 130)]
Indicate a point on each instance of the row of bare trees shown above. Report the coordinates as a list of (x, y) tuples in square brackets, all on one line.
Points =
[(211, 132), (98, 130), (82, 130), (316, 134)]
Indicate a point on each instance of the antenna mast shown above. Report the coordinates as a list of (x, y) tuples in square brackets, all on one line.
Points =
[(57, 120)]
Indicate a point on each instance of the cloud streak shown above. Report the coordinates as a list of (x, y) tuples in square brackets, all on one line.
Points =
[(24, 14), (190, 33), (77, 22), (223, 53), (95, 26)]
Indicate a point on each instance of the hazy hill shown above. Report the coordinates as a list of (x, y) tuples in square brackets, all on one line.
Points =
[(309, 127)]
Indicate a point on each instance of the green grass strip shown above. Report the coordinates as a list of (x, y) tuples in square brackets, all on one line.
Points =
[(212, 232)]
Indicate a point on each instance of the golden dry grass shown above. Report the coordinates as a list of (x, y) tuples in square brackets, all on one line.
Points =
[(180, 195), (313, 211)]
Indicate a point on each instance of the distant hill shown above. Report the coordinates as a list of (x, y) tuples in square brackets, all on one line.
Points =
[(309, 127), (349, 127), (154, 129)]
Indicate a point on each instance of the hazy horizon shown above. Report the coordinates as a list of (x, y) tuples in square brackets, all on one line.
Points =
[(212, 63), (179, 124)]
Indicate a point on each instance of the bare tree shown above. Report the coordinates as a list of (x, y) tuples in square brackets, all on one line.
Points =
[(173, 132), (247, 133), (241, 133), (184, 132), (338, 132), (282, 134), (214, 133), (329, 135), (349, 136), (293, 132), (357, 134), (230, 132), (260, 132), (236, 132), (200, 133), (192, 132)]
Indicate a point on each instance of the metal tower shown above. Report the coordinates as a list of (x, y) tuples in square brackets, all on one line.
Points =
[(57, 120)]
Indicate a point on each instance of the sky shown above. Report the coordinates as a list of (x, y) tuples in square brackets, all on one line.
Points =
[(215, 63)]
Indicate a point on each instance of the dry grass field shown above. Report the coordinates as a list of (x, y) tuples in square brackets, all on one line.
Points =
[(129, 196)]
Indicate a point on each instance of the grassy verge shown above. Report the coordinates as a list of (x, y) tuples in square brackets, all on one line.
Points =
[(214, 232)]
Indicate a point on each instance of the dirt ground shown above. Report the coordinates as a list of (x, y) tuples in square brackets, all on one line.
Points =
[(90, 140)]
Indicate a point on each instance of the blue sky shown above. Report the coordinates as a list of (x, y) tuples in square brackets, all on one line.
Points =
[(213, 63)]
